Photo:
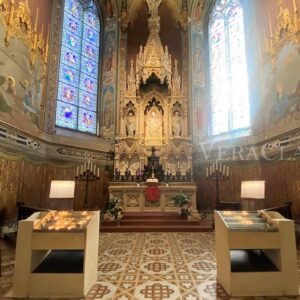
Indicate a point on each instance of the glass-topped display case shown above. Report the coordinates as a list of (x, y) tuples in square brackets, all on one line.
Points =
[(63, 221), (253, 248), (56, 254), (243, 220)]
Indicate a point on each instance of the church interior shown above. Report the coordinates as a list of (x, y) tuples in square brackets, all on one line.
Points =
[(150, 149)]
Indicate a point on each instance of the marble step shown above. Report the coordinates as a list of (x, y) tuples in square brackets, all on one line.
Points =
[(155, 228), (151, 215), (163, 222)]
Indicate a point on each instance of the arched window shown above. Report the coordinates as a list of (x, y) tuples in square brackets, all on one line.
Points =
[(228, 68), (78, 71)]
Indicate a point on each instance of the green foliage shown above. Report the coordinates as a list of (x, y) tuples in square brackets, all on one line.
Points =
[(180, 200), (115, 208)]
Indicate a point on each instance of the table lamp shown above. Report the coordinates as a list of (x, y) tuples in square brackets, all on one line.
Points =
[(62, 189), (250, 192)]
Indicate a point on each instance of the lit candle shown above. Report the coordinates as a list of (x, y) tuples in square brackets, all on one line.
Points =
[(227, 171), (213, 167), (206, 172), (85, 166), (98, 172), (224, 170), (94, 169), (210, 170), (227, 213), (216, 165)]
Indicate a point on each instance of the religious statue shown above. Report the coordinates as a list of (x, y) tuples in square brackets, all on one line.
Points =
[(154, 125), (130, 124), (127, 173), (176, 80), (153, 7), (176, 124), (131, 88)]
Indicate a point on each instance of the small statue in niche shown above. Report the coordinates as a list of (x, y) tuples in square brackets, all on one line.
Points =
[(154, 124), (131, 87), (130, 124), (176, 80), (177, 124), (127, 173)]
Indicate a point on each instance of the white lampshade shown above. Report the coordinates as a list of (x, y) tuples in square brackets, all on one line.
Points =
[(62, 189), (253, 189)]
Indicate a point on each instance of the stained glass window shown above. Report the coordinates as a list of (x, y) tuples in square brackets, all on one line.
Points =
[(228, 68), (78, 72)]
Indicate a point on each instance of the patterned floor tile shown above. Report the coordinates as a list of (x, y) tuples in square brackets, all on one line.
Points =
[(152, 266)]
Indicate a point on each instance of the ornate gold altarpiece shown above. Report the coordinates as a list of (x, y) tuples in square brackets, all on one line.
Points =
[(153, 114)]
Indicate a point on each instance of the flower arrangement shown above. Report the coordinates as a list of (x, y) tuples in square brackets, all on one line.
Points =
[(115, 208), (184, 203)]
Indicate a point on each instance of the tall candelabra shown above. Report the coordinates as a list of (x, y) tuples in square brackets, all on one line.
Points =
[(87, 172), (217, 172)]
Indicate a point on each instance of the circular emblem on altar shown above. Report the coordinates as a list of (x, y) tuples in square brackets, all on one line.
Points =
[(152, 194)]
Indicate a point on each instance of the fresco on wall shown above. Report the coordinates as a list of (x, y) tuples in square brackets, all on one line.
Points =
[(109, 10), (282, 91), (109, 56), (108, 105), (198, 59), (199, 10), (109, 66), (198, 73), (23, 52), (200, 111)]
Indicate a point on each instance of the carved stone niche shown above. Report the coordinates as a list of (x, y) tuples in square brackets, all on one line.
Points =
[(177, 120), (130, 120)]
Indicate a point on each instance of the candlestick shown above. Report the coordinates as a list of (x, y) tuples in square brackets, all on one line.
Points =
[(217, 173), (87, 175)]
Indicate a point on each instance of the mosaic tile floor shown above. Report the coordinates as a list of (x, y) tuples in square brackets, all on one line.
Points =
[(157, 266)]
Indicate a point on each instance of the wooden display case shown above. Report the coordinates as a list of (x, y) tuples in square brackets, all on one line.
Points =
[(56, 255), (256, 254)]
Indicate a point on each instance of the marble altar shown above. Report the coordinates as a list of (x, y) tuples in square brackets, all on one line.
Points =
[(132, 196)]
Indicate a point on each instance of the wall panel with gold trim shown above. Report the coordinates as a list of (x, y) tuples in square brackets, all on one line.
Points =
[(28, 181)]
